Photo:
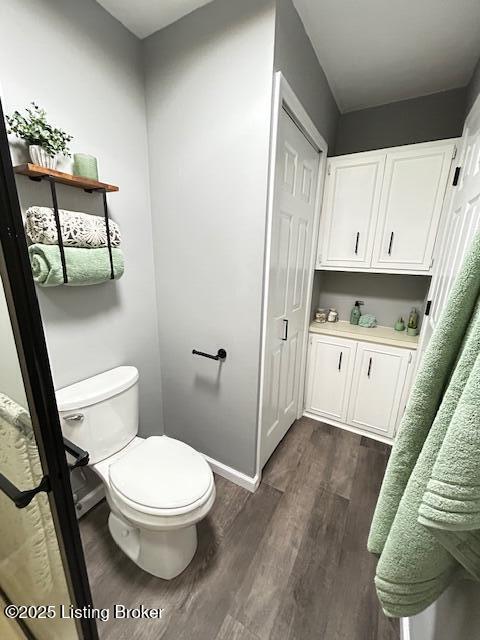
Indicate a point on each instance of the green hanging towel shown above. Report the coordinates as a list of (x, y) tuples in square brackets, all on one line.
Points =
[(426, 526)]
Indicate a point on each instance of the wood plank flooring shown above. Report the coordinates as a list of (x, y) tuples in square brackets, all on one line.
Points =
[(286, 563)]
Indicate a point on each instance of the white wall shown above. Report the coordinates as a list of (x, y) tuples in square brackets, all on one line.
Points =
[(80, 64), (386, 296), (11, 382), (209, 84)]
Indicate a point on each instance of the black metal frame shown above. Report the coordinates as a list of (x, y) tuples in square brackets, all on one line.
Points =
[(34, 362)]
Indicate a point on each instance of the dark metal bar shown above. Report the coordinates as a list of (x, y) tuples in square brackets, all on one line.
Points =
[(390, 244), (356, 242), (19, 497), (27, 327), (59, 228), (456, 176), (428, 307), (369, 367), (340, 361), (107, 229), (285, 330), (82, 457), (221, 354)]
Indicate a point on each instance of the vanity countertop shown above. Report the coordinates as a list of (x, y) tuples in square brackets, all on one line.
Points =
[(379, 334)]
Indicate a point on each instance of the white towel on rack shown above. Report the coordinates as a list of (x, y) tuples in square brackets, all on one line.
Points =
[(78, 229)]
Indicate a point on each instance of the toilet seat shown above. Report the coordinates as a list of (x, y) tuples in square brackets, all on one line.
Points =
[(161, 476)]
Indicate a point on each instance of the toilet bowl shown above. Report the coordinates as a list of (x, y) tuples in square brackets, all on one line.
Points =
[(157, 488)]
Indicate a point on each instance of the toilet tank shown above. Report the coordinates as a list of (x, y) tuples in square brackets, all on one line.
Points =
[(100, 414)]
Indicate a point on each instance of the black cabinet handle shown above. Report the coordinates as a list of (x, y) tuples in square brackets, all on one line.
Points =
[(221, 354), (21, 499), (369, 367), (285, 330), (82, 457), (390, 244), (356, 242), (340, 361)]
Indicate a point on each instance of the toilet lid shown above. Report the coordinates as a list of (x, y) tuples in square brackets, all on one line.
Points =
[(161, 473)]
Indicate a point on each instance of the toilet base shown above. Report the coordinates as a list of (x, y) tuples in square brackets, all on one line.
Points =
[(164, 554)]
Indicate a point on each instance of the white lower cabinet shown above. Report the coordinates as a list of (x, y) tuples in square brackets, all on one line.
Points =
[(358, 384), (330, 376), (378, 385)]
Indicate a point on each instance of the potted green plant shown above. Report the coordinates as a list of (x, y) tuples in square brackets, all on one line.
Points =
[(45, 142)]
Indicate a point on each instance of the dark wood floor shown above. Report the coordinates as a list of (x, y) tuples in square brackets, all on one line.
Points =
[(286, 563)]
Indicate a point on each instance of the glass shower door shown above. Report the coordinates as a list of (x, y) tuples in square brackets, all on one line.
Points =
[(43, 578), (32, 577)]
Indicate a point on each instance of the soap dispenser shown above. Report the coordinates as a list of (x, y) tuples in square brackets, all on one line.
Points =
[(356, 313)]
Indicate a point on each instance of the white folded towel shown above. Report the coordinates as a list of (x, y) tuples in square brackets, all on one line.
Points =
[(78, 229)]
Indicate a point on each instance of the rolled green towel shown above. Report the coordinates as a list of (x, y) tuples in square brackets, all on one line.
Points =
[(84, 266)]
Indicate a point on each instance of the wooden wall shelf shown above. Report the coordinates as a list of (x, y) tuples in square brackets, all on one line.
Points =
[(35, 172)]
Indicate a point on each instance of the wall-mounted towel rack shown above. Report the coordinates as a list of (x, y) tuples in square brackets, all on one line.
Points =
[(37, 173)]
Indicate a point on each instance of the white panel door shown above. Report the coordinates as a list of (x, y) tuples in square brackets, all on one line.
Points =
[(296, 177), (378, 383), (329, 378), (461, 224), (351, 201), (411, 203)]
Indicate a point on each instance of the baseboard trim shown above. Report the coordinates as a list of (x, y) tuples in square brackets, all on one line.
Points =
[(405, 629), (347, 427), (88, 501), (237, 477)]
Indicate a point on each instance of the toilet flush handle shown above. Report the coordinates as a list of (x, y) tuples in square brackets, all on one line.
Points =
[(75, 417)]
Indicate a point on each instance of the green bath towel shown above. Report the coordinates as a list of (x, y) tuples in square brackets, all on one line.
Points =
[(84, 266), (426, 525)]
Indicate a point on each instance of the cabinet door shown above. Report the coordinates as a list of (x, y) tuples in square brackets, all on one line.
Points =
[(378, 383), (330, 372), (352, 197), (411, 203)]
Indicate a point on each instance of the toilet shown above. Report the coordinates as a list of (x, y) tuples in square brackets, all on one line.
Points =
[(157, 488)]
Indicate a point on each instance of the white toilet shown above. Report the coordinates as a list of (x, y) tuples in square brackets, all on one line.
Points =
[(157, 488)]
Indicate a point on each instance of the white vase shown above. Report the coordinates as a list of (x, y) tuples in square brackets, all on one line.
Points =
[(40, 156)]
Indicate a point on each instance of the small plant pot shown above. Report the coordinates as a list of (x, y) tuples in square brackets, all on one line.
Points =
[(412, 332), (40, 156)]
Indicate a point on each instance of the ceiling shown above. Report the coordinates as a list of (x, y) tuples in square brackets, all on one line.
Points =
[(379, 51), (144, 17), (372, 51)]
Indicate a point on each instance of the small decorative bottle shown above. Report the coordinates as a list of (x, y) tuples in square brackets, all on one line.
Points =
[(332, 315), (321, 315), (412, 328), (356, 313)]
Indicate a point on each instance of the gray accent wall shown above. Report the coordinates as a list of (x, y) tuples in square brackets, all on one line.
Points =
[(422, 119), (297, 60), (86, 70), (209, 97)]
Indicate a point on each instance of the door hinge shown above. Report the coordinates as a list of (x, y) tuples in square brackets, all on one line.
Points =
[(456, 176), (329, 169), (428, 307), (409, 357), (454, 152), (432, 261)]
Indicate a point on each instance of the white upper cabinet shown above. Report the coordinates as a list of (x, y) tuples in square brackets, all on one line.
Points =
[(381, 210), (352, 196), (411, 204)]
